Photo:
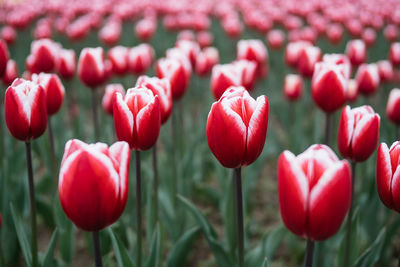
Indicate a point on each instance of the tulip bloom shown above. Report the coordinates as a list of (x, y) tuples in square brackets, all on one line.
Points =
[(162, 89), (137, 118), (54, 91), (145, 29), (237, 127), (358, 133), (308, 57), (394, 54), (393, 106), (43, 57), (247, 71), (11, 72), (352, 91), (391, 32), (190, 48), (205, 39), (387, 182), (206, 60), (356, 50), (91, 69), (275, 39), (367, 78), (254, 50), (292, 52), (175, 72), (93, 183), (329, 86), (8, 34), (140, 58), (4, 57), (109, 96), (25, 110), (111, 32), (334, 32), (385, 70), (66, 63), (315, 191), (223, 77), (293, 87), (118, 57)]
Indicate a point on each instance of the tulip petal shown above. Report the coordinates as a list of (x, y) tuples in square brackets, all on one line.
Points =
[(384, 175), (345, 131), (148, 121), (365, 137), (123, 120)]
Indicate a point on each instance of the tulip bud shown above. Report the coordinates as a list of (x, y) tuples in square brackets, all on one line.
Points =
[(356, 50), (385, 70), (334, 32), (308, 57), (111, 32), (247, 71), (293, 87), (223, 77), (393, 106), (140, 58), (352, 91), (174, 71), (53, 89), (43, 57), (391, 32), (205, 39), (254, 50), (394, 54), (206, 60), (292, 52), (145, 29), (237, 127), (387, 162), (341, 60), (358, 133), (4, 57), (160, 88), (8, 34), (93, 183), (109, 96), (137, 118), (91, 69), (11, 72), (275, 39), (367, 78), (66, 63), (369, 36), (25, 110), (329, 86), (118, 57), (314, 192), (190, 48)]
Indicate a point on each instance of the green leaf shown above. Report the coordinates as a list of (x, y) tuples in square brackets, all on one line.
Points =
[(221, 256), (265, 264), (353, 241), (229, 218), (23, 241), (372, 253), (48, 260), (154, 257), (179, 253), (123, 259)]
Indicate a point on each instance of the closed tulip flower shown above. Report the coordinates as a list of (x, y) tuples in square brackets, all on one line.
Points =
[(175, 72), (385, 70), (247, 71), (190, 48), (341, 60), (308, 57), (109, 96), (254, 50), (391, 32), (54, 90), (118, 57), (205, 39), (367, 78), (66, 63), (223, 77), (292, 52), (369, 36), (145, 29), (8, 34), (137, 118), (356, 50), (206, 60), (160, 88), (11, 72), (352, 91), (387, 182), (393, 106), (358, 133), (25, 110), (91, 69), (275, 39), (43, 57), (314, 192), (394, 54), (237, 127), (140, 58), (93, 183), (334, 32), (293, 87), (111, 32), (329, 86), (4, 57)]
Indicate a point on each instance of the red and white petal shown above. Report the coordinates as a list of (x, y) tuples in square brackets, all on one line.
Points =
[(148, 122), (365, 137), (384, 175), (345, 132), (123, 120)]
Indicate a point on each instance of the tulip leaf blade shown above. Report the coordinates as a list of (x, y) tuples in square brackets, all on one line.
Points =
[(154, 257), (22, 238), (355, 224), (179, 253), (221, 256), (371, 255), (265, 263), (121, 254), (48, 260)]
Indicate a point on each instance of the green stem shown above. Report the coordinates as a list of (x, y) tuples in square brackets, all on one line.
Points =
[(309, 253), (239, 214), (138, 210), (349, 217), (94, 113), (33, 205), (52, 148), (174, 161), (155, 184), (96, 249), (328, 128)]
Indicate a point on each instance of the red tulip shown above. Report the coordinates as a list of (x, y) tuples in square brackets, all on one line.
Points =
[(206, 60), (160, 88), (387, 161), (223, 77), (341, 60), (140, 58), (367, 78), (254, 50), (43, 29), (369, 36), (137, 118), (358, 133), (11, 72), (308, 57), (394, 54), (91, 69), (232, 27), (292, 52), (9, 34), (247, 71), (174, 71), (111, 32), (356, 51), (334, 33), (25, 110), (118, 57), (293, 87), (66, 63), (190, 48), (237, 127), (385, 70), (205, 39), (314, 192), (145, 29), (391, 32), (109, 96), (329, 86), (54, 91), (93, 183), (355, 27), (186, 35), (78, 29), (275, 39), (393, 106), (4, 57), (352, 91), (181, 56), (43, 57)]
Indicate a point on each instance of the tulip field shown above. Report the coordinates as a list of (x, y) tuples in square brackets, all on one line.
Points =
[(200, 133)]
